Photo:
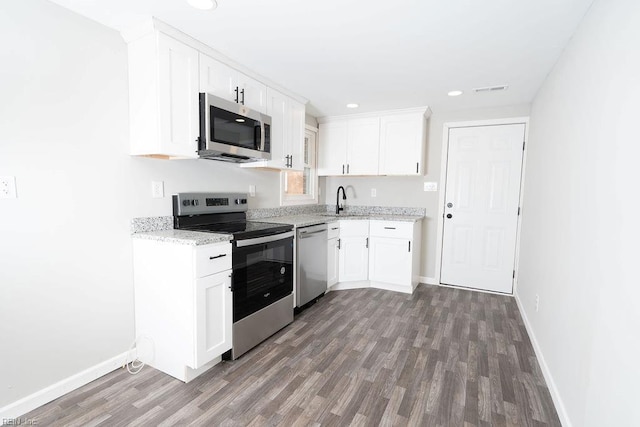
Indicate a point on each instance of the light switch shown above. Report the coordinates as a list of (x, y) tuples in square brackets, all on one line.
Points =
[(430, 186), (374, 193), (8, 187), (252, 190), (157, 189)]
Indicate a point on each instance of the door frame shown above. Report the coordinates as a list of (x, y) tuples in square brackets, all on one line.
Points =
[(443, 187)]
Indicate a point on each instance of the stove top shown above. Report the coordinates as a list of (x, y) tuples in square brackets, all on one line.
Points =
[(241, 229), (220, 213)]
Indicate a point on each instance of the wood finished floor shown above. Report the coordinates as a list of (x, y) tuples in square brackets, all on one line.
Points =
[(441, 357)]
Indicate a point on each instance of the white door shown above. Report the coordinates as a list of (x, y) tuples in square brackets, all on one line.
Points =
[(481, 206), (214, 317)]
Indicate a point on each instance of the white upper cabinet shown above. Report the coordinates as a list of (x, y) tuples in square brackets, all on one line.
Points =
[(287, 133), (384, 143), (402, 141), (349, 147), (252, 93), (221, 80), (163, 97), (332, 149), (168, 71), (217, 78), (363, 138)]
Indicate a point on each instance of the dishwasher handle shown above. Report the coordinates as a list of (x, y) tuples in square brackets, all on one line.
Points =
[(306, 234)]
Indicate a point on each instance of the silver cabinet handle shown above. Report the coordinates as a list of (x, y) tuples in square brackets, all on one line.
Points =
[(217, 256), (367, 243), (389, 228), (339, 244)]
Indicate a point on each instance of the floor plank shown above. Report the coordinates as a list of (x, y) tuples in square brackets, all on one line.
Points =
[(439, 357)]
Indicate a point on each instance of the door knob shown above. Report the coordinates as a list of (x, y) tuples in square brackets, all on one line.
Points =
[(449, 205), (449, 216)]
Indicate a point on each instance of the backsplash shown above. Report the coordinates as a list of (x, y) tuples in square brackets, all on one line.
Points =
[(285, 211), (153, 223), (158, 223)]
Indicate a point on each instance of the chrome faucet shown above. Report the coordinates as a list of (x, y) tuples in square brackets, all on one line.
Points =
[(344, 197)]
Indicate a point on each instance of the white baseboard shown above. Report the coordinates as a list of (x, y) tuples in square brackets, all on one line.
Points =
[(52, 392), (428, 280), (553, 389)]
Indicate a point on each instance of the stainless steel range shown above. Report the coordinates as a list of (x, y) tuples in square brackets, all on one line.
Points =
[(262, 259)]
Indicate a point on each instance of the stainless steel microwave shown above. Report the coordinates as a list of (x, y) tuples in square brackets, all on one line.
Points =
[(231, 132)]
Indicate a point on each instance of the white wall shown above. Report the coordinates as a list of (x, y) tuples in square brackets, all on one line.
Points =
[(65, 252), (580, 229), (409, 191)]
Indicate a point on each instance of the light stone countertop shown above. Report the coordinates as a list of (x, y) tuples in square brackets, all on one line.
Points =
[(307, 220), (183, 237)]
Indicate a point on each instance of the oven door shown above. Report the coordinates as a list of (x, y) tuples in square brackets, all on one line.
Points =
[(262, 272)]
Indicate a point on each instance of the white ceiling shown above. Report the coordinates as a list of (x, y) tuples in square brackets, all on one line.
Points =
[(380, 54)]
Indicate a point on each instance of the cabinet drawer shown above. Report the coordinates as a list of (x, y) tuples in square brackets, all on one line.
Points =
[(333, 230), (399, 229), (354, 228), (212, 259)]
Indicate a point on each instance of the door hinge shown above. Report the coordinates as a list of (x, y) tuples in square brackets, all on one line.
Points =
[(523, 143), (518, 210), (514, 274)]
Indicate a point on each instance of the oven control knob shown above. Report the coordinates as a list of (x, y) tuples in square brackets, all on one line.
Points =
[(186, 203), (241, 201)]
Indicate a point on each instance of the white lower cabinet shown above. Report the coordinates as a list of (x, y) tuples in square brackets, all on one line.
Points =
[(214, 317), (380, 254), (333, 253), (183, 305), (354, 251)]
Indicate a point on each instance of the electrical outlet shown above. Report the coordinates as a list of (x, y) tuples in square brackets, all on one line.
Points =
[(157, 189), (537, 302), (252, 191), (374, 193), (8, 187), (430, 186)]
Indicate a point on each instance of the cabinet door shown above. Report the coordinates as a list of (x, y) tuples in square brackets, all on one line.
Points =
[(213, 317), (278, 109), (354, 259), (332, 148), (217, 78), (390, 260), (363, 143), (402, 144), (254, 95), (178, 97), (333, 261), (296, 137)]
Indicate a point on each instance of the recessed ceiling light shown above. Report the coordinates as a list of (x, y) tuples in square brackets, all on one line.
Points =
[(203, 4), (455, 93), (352, 105)]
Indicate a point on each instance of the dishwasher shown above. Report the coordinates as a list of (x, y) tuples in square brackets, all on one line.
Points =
[(311, 254)]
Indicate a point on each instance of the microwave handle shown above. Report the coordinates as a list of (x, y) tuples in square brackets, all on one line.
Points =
[(262, 136), (205, 122)]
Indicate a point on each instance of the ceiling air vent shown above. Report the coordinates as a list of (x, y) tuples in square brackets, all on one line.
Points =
[(490, 88)]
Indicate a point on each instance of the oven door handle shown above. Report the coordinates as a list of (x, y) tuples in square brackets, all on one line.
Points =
[(265, 239)]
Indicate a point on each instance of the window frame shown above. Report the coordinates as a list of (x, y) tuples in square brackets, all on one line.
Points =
[(306, 199)]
